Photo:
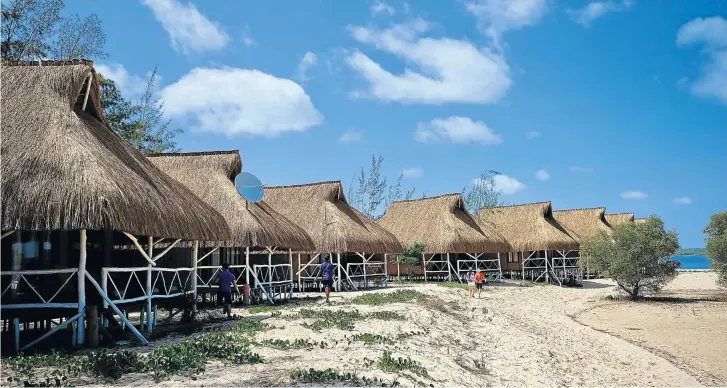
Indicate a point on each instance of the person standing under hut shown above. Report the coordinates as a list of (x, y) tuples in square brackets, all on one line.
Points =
[(479, 282), (471, 283), (327, 276), (227, 281)]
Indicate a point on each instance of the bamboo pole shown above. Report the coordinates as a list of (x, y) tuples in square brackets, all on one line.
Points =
[(340, 283), (149, 290), (17, 261), (195, 253), (82, 288)]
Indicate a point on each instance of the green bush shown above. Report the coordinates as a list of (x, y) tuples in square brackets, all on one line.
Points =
[(379, 298)]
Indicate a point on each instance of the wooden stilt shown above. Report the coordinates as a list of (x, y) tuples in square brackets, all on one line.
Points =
[(82, 288)]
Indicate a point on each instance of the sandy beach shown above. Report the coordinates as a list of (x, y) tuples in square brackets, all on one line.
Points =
[(514, 336)]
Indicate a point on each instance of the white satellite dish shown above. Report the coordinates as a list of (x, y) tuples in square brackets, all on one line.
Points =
[(250, 187)]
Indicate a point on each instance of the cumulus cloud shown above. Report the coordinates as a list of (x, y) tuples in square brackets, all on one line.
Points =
[(542, 175), (237, 101), (381, 7), (444, 70), (634, 195), (350, 136), (414, 172), (682, 201), (309, 60), (130, 85), (188, 29), (596, 9), (506, 185), (711, 35), (495, 17), (533, 134), (456, 129)]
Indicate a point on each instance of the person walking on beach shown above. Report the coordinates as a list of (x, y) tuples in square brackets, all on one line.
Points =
[(327, 276), (471, 283), (479, 282), (227, 280)]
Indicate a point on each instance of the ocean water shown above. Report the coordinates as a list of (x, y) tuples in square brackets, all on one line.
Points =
[(694, 262)]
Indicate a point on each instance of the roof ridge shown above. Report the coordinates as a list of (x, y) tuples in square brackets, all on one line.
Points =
[(580, 208), (521, 204), (304, 184), (424, 199), (196, 153), (87, 62), (618, 214)]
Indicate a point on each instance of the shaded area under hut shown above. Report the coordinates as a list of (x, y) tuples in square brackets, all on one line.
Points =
[(454, 243), (356, 245), (536, 239), (584, 223), (72, 190), (262, 240)]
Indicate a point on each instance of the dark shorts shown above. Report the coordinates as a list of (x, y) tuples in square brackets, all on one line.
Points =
[(479, 285), (224, 297), (327, 283)]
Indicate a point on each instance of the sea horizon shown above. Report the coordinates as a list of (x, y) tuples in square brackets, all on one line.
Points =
[(694, 262)]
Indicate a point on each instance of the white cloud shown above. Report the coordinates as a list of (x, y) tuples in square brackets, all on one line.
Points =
[(495, 17), (240, 101), (247, 40), (711, 35), (188, 29), (414, 172), (533, 134), (595, 10), (350, 136), (309, 60), (504, 184), (445, 70), (456, 129), (682, 200), (633, 195), (379, 7), (581, 169), (542, 175), (130, 85)]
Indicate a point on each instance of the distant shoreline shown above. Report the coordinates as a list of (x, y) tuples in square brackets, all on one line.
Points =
[(695, 270)]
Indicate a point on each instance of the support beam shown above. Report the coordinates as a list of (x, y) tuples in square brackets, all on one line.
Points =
[(207, 254), (290, 262), (340, 280), (89, 80), (164, 252), (149, 290), (82, 288), (6, 234), (61, 326), (195, 253), (17, 263), (140, 249), (123, 317)]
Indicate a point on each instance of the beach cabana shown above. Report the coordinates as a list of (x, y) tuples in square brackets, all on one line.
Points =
[(583, 223), (615, 219), (455, 243), (258, 233), (356, 245), (534, 235), (72, 190)]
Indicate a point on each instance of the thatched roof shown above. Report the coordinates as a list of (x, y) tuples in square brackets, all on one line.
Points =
[(639, 220), (211, 176), (527, 227), (615, 219), (322, 211), (64, 169), (583, 222), (443, 224)]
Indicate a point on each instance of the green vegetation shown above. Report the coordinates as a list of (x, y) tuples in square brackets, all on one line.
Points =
[(335, 377), (483, 194), (297, 344), (341, 319), (461, 286), (370, 339), (636, 256), (412, 255), (691, 252), (717, 245), (380, 298), (369, 193)]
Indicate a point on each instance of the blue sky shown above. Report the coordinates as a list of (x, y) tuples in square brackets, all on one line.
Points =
[(613, 103)]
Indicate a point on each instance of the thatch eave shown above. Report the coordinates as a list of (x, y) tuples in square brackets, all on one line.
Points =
[(584, 222)]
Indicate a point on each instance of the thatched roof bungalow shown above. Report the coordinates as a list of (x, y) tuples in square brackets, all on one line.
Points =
[(583, 223), (443, 224), (615, 219), (63, 168), (527, 227), (211, 176), (333, 225)]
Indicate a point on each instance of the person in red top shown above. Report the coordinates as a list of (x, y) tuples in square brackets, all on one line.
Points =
[(479, 282)]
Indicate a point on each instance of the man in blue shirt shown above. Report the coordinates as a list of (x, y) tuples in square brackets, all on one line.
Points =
[(227, 280), (327, 276)]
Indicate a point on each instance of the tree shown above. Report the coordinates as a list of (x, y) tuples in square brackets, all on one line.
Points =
[(141, 123), (412, 255), (635, 256), (717, 245), (34, 30), (373, 192), (483, 194)]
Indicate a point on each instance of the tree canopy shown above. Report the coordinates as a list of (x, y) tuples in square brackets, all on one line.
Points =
[(483, 193), (635, 256), (717, 245), (371, 194)]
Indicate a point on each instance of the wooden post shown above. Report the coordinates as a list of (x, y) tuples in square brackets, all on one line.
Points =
[(547, 277), (340, 282), (149, 290), (16, 333), (424, 265), (366, 284), (449, 271), (386, 271), (92, 319), (17, 263), (270, 268), (300, 285), (82, 288), (195, 254)]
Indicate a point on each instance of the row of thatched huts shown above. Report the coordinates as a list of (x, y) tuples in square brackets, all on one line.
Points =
[(98, 238)]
